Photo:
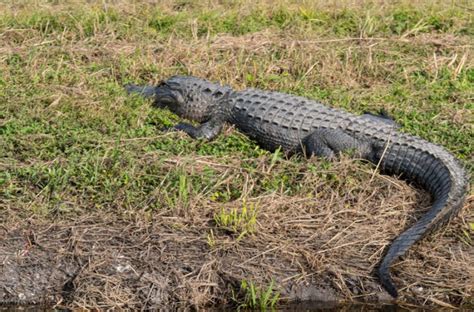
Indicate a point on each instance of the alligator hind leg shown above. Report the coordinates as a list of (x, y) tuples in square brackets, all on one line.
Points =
[(382, 116), (327, 143)]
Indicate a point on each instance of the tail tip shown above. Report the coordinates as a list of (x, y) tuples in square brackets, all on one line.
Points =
[(387, 283)]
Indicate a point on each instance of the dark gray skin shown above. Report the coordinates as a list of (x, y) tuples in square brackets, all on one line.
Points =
[(300, 125)]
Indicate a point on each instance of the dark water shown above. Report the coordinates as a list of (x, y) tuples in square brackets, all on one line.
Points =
[(27, 308), (336, 307), (304, 307), (328, 307)]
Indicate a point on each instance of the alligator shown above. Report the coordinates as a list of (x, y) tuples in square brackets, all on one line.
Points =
[(301, 125)]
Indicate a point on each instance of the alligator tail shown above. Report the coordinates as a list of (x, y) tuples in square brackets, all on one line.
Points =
[(437, 171)]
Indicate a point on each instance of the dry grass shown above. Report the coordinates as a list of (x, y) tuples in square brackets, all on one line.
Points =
[(99, 209), (320, 246)]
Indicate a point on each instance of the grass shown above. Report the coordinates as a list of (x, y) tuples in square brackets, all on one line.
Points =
[(255, 298), (241, 222), (66, 114), (72, 143)]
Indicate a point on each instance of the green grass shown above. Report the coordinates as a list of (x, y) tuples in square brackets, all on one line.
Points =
[(155, 22), (255, 298), (72, 140), (237, 221)]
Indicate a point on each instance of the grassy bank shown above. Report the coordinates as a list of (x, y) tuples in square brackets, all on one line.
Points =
[(73, 144)]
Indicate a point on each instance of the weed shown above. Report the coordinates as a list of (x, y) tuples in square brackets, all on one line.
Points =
[(240, 222), (183, 189), (211, 239), (256, 298)]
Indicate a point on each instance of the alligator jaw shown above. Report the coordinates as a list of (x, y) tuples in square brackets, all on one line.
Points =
[(145, 91), (161, 95)]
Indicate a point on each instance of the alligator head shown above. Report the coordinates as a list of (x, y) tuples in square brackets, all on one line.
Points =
[(189, 97)]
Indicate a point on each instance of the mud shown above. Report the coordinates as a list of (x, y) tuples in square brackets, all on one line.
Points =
[(117, 263)]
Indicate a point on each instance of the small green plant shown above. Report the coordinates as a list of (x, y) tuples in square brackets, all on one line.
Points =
[(239, 222), (178, 188), (183, 188), (211, 239), (255, 297), (276, 156)]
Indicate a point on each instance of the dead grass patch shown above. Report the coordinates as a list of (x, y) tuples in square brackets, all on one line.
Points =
[(319, 246)]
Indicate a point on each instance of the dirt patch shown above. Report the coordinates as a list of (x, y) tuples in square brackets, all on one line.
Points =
[(315, 249)]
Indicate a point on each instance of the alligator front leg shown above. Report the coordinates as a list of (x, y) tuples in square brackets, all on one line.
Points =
[(328, 143), (208, 130)]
